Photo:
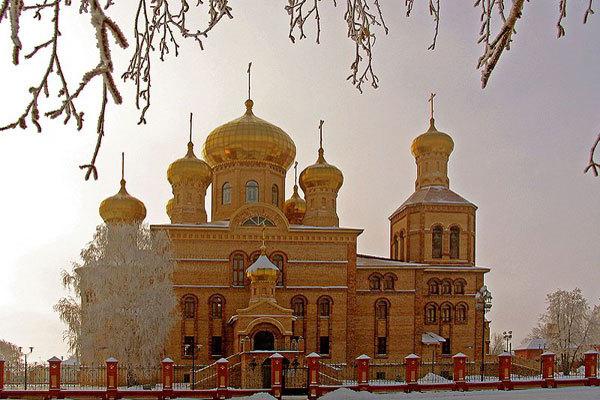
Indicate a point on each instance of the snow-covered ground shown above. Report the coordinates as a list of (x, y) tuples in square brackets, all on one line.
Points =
[(568, 393)]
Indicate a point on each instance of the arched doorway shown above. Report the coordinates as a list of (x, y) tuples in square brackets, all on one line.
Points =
[(264, 340)]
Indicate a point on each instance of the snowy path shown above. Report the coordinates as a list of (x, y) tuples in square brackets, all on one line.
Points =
[(569, 393)]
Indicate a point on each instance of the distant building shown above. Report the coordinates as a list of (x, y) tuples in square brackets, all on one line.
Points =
[(268, 274), (531, 349)]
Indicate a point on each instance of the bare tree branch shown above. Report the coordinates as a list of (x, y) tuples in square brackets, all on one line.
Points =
[(593, 165)]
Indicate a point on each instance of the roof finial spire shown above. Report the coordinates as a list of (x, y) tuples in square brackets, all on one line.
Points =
[(296, 173), (123, 190), (249, 103), (263, 247), (249, 78), (190, 152), (431, 113), (321, 151), (191, 122)]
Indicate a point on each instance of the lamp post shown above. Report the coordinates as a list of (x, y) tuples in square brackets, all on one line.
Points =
[(25, 355), (484, 303), (191, 348), (507, 335)]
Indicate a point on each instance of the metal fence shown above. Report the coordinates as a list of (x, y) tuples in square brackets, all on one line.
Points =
[(36, 376), (475, 374)]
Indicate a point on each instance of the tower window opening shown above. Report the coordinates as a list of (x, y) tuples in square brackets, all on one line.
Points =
[(401, 246), (238, 270), (382, 345), (324, 345), (216, 307), (324, 307), (277, 259), (455, 242), (251, 192), (436, 242), (226, 193), (275, 195)]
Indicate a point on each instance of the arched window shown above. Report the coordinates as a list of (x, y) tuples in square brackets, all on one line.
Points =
[(389, 281), (459, 286), (446, 313), (299, 307), (238, 270), (275, 195), (216, 307), (461, 314), (455, 242), (381, 309), (226, 193), (324, 306), (375, 282), (395, 247), (446, 287), (401, 246), (434, 286), (251, 192), (189, 307), (436, 242), (277, 259), (430, 313)]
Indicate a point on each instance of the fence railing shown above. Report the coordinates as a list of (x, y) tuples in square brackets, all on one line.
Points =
[(219, 380)]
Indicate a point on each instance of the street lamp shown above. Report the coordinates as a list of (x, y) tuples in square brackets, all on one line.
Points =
[(25, 355), (190, 349), (507, 335), (484, 304)]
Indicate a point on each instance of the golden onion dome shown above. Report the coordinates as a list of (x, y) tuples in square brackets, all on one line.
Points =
[(122, 208), (249, 138), (189, 168), (321, 174), (294, 208), (262, 269), (432, 141)]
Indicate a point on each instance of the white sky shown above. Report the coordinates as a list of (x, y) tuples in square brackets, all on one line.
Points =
[(520, 145)]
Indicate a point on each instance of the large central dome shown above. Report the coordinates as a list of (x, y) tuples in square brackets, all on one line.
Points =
[(249, 138)]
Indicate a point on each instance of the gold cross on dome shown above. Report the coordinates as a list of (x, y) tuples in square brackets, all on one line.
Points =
[(431, 97)]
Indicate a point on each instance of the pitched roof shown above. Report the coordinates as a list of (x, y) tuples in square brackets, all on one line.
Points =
[(433, 195)]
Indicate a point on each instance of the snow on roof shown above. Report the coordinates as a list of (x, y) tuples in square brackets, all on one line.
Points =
[(364, 260), (262, 262), (533, 344), (433, 195), (432, 338)]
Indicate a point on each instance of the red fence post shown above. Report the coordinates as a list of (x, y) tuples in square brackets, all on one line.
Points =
[(591, 367), (1, 374), (362, 370), (276, 367), (313, 375), (167, 376), (412, 362), (222, 378), (504, 370), (54, 372), (459, 370), (548, 359), (112, 378)]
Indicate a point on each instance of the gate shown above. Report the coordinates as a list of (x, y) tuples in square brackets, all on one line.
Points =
[(295, 378)]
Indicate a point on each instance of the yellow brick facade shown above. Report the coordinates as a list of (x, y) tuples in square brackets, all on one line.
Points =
[(329, 299)]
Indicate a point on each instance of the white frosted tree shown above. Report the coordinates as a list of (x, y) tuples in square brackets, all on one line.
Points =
[(497, 345), (569, 325), (9, 352), (122, 303)]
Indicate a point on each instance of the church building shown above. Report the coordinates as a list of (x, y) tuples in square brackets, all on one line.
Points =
[(265, 273)]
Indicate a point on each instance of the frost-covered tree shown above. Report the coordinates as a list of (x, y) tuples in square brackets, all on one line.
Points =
[(497, 344), (569, 326), (122, 303), (9, 352), (160, 26)]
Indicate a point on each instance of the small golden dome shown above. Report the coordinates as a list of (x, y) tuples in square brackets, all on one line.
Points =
[(249, 138), (262, 269), (189, 168), (321, 174), (122, 208), (432, 141), (294, 208)]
